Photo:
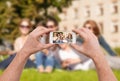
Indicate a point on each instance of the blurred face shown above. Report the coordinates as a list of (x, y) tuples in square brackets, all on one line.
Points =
[(69, 36), (50, 24), (89, 26), (24, 28)]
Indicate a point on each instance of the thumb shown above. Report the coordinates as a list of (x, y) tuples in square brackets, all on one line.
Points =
[(47, 46)]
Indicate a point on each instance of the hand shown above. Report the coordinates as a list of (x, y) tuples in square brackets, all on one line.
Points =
[(73, 61), (45, 51), (11, 52), (33, 44), (90, 46), (65, 64)]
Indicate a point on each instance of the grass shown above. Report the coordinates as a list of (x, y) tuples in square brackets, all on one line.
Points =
[(117, 50), (34, 75)]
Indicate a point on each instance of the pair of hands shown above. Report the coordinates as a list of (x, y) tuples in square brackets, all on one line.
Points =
[(90, 46)]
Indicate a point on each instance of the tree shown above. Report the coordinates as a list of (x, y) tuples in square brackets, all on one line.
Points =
[(11, 11)]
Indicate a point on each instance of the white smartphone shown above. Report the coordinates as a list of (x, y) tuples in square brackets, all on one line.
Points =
[(59, 37)]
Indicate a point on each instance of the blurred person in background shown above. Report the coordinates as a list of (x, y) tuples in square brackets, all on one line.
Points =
[(24, 28), (71, 59), (55, 37), (69, 37), (93, 26), (46, 59), (5, 47), (112, 59)]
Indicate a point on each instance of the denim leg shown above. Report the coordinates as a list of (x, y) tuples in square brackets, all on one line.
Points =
[(57, 63), (39, 58), (4, 64), (30, 64), (106, 46), (49, 61)]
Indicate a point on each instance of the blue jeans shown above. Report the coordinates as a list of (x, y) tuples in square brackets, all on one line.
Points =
[(44, 60), (4, 64), (106, 46), (57, 63)]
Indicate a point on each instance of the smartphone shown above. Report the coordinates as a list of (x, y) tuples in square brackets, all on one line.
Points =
[(59, 37)]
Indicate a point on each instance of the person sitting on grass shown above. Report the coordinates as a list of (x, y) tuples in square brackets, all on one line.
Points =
[(24, 28), (94, 27), (113, 60), (71, 60)]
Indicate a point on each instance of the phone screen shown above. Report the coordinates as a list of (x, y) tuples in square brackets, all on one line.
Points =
[(62, 37)]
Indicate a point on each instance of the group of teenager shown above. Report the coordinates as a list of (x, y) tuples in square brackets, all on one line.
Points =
[(83, 55), (59, 56)]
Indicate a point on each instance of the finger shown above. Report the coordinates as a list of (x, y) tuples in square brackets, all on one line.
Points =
[(45, 31), (81, 33), (35, 33), (40, 31), (54, 29), (89, 34), (87, 31), (47, 46)]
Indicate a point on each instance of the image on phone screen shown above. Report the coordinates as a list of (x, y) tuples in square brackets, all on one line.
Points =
[(62, 37)]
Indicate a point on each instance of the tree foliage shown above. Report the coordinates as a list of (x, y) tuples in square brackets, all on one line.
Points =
[(11, 11)]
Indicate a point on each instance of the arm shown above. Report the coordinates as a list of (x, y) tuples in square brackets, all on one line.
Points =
[(104, 71), (91, 48), (32, 45), (15, 68), (106, 46), (64, 64), (70, 61), (3, 52), (73, 61), (8, 52)]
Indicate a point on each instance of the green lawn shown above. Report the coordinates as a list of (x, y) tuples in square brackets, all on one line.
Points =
[(34, 75)]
